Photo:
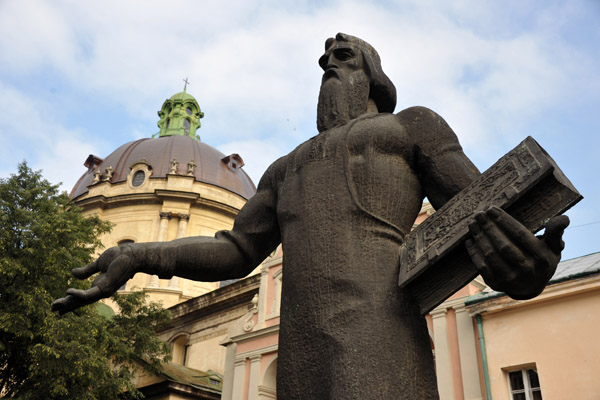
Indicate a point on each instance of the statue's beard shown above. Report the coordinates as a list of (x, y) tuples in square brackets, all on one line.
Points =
[(341, 100)]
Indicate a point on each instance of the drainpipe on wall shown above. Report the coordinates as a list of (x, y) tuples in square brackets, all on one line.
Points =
[(486, 375)]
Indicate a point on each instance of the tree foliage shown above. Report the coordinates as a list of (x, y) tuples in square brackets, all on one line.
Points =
[(82, 355)]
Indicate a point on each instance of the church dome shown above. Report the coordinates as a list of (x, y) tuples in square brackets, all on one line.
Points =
[(177, 150), (211, 166)]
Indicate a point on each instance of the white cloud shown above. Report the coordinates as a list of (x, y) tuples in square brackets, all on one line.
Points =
[(258, 61), (33, 34), (63, 160), (28, 133)]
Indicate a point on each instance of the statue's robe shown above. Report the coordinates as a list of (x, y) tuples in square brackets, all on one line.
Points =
[(341, 204)]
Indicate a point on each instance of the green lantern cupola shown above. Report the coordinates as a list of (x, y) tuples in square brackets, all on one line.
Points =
[(180, 115)]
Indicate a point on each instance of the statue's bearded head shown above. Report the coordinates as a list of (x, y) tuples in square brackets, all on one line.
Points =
[(353, 78)]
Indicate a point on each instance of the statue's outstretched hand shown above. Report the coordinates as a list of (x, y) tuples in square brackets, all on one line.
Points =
[(116, 265), (509, 257)]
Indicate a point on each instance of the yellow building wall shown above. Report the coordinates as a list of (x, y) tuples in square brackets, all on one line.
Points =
[(135, 213), (558, 333)]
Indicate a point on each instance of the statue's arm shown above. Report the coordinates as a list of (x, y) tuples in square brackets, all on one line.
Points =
[(439, 160), (509, 257), (227, 255)]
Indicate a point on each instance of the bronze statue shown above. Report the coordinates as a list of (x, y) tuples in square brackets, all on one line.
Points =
[(341, 204)]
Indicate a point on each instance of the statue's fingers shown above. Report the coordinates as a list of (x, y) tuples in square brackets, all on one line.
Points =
[(497, 252), (86, 296), (87, 271), (554, 232), (67, 304), (478, 259), (495, 272), (514, 230), (478, 233), (115, 276), (504, 247)]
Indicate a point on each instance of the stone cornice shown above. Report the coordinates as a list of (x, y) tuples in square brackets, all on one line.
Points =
[(552, 292), (220, 299), (226, 208), (454, 303), (106, 202), (253, 335), (176, 194), (272, 262)]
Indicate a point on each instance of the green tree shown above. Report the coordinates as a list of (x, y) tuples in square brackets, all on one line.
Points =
[(82, 355)]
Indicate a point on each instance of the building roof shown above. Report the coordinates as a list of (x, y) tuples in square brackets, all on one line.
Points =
[(211, 166), (566, 270), (577, 267), (184, 382), (189, 376)]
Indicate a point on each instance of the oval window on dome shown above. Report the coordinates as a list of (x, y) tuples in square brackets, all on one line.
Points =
[(189, 111), (138, 178)]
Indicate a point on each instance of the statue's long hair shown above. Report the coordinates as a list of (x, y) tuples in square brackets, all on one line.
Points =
[(382, 90)]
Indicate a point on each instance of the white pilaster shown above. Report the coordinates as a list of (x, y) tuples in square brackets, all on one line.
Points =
[(254, 377), (468, 354), (182, 227), (239, 375), (162, 236), (181, 232), (443, 363), (229, 373)]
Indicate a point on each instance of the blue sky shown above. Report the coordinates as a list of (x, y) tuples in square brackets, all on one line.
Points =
[(80, 78)]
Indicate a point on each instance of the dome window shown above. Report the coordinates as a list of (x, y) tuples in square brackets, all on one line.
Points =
[(168, 123), (186, 125), (233, 162), (140, 171), (189, 111), (138, 178)]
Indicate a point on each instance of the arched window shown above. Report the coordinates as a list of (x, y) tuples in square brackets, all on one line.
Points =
[(266, 389), (186, 126), (179, 348)]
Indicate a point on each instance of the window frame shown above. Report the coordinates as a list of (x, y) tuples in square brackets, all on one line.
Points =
[(528, 390)]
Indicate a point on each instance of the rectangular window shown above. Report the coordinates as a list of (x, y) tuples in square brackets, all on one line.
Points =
[(524, 384)]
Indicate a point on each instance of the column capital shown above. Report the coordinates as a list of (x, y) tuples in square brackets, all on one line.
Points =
[(165, 215), (239, 362), (458, 308), (255, 358), (438, 313), (184, 217)]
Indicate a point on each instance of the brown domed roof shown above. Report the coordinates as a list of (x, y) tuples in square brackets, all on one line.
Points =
[(159, 152)]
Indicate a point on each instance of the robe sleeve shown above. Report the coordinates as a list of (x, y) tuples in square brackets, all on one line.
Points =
[(442, 166), (229, 254)]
